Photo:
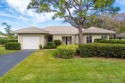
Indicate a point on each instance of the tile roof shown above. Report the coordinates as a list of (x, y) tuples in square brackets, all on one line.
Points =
[(30, 30), (121, 35), (64, 30), (98, 31), (69, 30)]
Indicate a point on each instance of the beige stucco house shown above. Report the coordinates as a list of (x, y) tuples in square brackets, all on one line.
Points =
[(2, 36), (32, 37)]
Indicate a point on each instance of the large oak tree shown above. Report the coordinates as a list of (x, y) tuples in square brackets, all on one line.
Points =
[(75, 12)]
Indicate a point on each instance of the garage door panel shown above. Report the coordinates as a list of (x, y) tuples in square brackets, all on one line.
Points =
[(30, 43)]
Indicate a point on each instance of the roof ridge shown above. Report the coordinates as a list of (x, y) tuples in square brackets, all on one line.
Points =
[(28, 27)]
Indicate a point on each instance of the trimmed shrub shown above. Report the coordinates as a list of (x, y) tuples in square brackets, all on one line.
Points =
[(112, 41), (67, 51), (57, 42), (49, 47), (11, 41), (102, 50), (12, 46), (40, 46), (97, 40), (50, 44), (2, 41)]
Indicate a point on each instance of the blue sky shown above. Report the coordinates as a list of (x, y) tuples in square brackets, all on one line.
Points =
[(15, 13)]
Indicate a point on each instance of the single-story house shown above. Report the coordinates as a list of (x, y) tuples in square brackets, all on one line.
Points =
[(120, 36), (2, 36), (32, 37)]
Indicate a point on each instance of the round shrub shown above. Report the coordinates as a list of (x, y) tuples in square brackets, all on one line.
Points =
[(67, 51), (57, 42), (40, 46), (12, 46), (50, 44), (3, 41)]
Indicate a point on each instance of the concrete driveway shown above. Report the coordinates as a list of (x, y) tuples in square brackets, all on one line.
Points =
[(8, 61)]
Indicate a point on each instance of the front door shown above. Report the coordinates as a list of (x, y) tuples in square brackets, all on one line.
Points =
[(66, 40)]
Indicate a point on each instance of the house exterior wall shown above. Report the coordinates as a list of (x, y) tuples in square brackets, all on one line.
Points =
[(41, 38), (96, 37), (73, 40), (99, 36), (43, 41), (84, 38), (77, 39), (60, 37), (57, 37)]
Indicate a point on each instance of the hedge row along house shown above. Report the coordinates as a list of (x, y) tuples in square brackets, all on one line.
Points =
[(32, 37)]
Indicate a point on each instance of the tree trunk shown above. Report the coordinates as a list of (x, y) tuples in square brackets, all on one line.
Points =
[(80, 37)]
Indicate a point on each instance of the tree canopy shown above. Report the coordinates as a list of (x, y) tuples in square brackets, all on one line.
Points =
[(114, 22), (75, 12)]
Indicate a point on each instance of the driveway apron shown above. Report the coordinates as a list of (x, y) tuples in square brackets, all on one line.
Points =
[(8, 61)]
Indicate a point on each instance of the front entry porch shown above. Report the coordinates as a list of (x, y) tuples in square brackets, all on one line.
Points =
[(67, 40)]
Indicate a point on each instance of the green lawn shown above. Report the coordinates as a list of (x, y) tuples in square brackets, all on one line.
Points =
[(43, 67), (4, 51)]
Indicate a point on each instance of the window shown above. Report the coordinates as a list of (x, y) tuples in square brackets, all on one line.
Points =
[(50, 38), (104, 36), (89, 39)]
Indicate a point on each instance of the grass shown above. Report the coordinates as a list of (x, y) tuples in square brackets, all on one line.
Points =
[(4, 51), (43, 67)]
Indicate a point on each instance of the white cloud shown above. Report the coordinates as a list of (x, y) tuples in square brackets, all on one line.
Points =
[(10, 10), (8, 15), (13, 16), (122, 2), (21, 7)]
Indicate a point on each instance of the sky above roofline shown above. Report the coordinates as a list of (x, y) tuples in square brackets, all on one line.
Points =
[(15, 13)]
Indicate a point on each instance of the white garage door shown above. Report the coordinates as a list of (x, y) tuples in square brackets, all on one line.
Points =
[(30, 43)]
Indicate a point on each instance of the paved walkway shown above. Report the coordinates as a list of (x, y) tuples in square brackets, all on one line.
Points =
[(8, 61)]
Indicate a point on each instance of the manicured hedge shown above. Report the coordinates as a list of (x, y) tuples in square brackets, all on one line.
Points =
[(97, 40), (67, 51), (50, 44), (12, 46), (49, 47), (57, 42), (11, 41), (102, 50), (112, 41)]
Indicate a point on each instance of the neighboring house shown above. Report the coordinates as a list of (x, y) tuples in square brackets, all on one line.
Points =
[(32, 37), (1, 36), (120, 36)]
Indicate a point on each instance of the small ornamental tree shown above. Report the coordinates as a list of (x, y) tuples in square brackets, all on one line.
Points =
[(75, 12), (8, 30)]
